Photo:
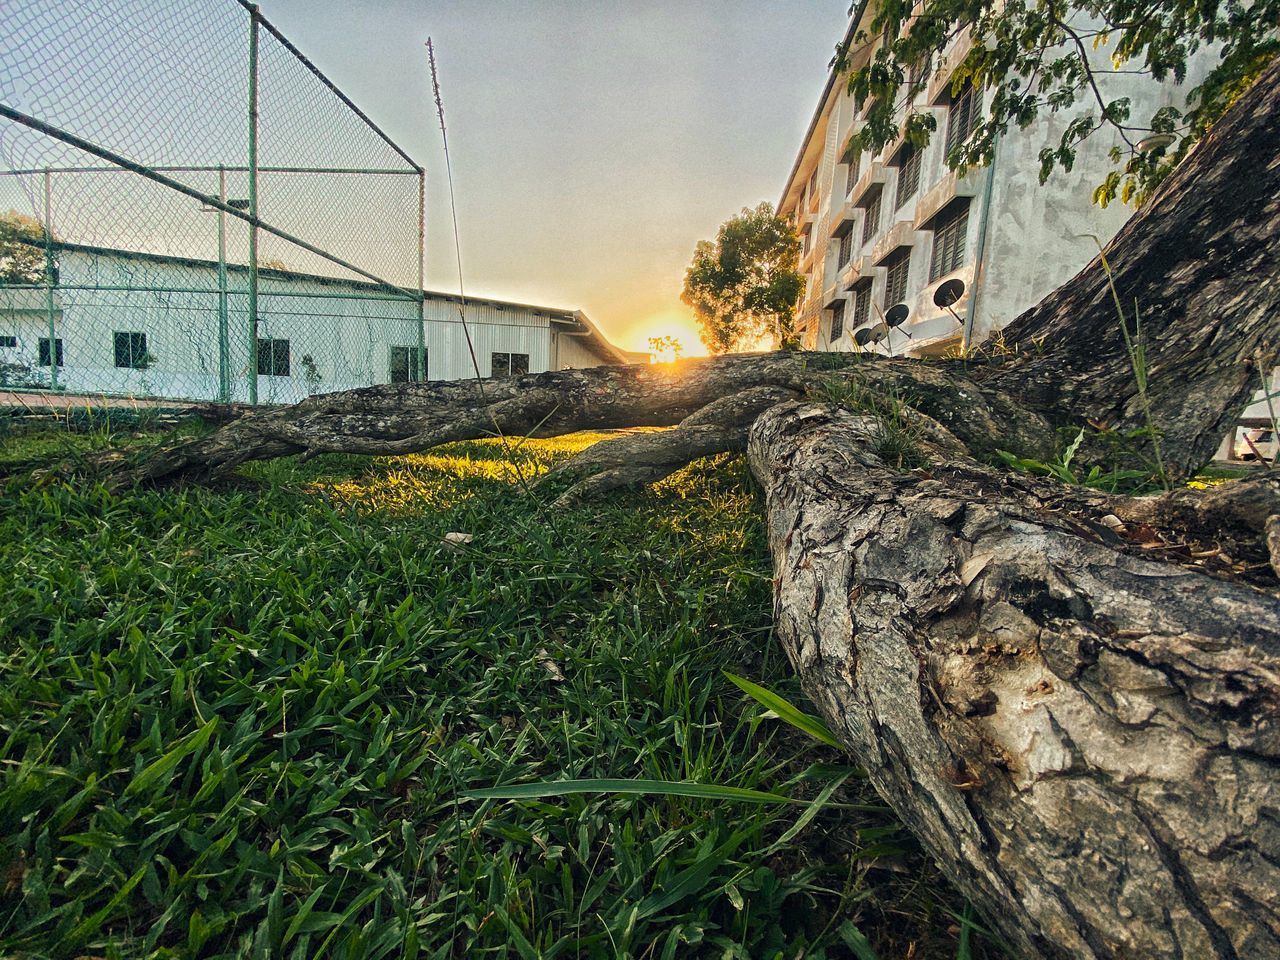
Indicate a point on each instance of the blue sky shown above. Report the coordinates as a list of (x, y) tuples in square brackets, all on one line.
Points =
[(593, 143)]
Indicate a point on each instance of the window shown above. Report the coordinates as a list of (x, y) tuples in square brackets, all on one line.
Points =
[(871, 209), (131, 350), (44, 351), (404, 364), (851, 176), (861, 302), (508, 364), (8, 340), (920, 71), (813, 190), (273, 358), (837, 321), (804, 243), (846, 245), (908, 164), (961, 117), (949, 232), (895, 288)]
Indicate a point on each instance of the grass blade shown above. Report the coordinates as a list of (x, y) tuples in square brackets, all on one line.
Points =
[(814, 726)]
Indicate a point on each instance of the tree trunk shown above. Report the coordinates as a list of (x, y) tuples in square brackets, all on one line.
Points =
[(1087, 741), (1045, 682)]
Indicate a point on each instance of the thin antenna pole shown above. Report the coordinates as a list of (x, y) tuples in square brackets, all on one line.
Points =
[(462, 296), (453, 208)]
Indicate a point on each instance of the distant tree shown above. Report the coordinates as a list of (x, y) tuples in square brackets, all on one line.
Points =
[(1040, 56), (746, 285), (665, 349), (22, 255)]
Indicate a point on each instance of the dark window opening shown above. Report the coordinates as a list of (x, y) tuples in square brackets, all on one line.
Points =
[(508, 364), (404, 364), (837, 321), (948, 240), (273, 358), (871, 214), (861, 303), (44, 351), (851, 177), (8, 340), (908, 164), (962, 116), (846, 246), (131, 350), (895, 289)]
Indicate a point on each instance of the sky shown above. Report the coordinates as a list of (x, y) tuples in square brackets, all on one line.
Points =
[(593, 143)]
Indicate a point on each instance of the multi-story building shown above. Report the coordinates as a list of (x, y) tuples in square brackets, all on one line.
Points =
[(890, 228)]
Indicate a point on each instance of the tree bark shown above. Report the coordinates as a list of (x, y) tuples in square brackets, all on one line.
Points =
[(1072, 698), (1087, 741)]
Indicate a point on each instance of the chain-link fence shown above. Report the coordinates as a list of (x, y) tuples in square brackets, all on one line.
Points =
[(195, 211)]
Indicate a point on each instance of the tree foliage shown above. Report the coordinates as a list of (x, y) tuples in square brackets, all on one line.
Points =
[(22, 254), (745, 286), (1052, 55)]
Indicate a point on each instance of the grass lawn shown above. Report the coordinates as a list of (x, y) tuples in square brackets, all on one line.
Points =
[(239, 722)]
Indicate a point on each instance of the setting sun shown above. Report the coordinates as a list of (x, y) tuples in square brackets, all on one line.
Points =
[(679, 326)]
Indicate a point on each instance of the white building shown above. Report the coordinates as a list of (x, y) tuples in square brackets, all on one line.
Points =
[(132, 323), (891, 228)]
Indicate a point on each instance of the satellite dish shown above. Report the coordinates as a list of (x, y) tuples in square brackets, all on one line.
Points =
[(878, 333), (896, 315), (948, 293), (861, 336)]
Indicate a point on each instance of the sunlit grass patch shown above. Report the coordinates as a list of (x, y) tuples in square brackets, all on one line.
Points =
[(239, 722)]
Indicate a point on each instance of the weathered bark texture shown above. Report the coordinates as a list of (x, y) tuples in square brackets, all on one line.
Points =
[(1088, 742), (406, 418), (1200, 263)]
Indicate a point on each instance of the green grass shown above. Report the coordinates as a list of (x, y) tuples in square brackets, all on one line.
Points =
[(239, 722)]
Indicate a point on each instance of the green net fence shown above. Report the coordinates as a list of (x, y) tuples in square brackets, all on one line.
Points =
[(195, 211)]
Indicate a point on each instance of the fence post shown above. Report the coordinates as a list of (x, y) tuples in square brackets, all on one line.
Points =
[(422, 231), (253, 203), (224, 344), (49, 268)]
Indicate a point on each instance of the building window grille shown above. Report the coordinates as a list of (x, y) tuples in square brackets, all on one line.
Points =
[(273, 358), (851, 176), (813, 190), (895, 288), (846, 247), (837, 321), (404, 364), (130, 349), (908, 163), (948, 240), (871, 208), (508, 364), (861, 303), (8, 340), (44, 351), (961, 117)]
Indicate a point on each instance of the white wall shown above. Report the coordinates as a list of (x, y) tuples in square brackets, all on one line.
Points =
[(347, 329)]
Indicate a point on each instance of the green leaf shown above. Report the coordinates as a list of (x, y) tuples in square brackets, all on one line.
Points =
[(814, 726), (666, 788), (856, 941), (163, 767)]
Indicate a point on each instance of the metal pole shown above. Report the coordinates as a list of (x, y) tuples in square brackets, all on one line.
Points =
[(253, 203), (49, 279), (224, 336), (422, 320)]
